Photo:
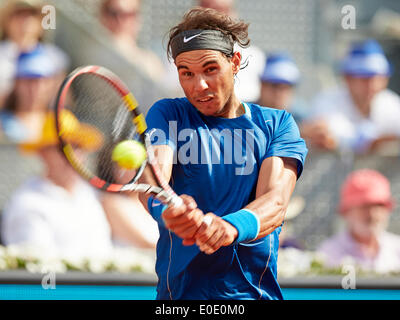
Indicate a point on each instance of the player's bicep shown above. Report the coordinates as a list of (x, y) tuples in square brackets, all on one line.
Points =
[(164, 156), (276, 181), (277, 175)]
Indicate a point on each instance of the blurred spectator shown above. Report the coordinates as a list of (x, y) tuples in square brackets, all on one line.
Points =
[(58, 211), (365, 205), (364, 113), (278, 84), (21, 23), (122, 19), (131, 224), (247, 81), (21, 31), (21, 117), (286, 238), (7, 70)]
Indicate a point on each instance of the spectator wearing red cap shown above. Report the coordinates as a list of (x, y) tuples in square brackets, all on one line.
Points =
[(365, 205)]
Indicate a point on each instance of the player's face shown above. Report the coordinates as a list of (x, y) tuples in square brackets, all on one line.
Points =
[(207, 78), (367, 221)]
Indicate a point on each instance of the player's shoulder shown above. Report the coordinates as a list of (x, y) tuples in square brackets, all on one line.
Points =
[(254, 107), (269, 115), (171, 106), (172, 102)]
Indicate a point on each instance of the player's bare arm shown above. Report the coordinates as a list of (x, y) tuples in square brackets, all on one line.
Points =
[(164, 156), (275, 186)]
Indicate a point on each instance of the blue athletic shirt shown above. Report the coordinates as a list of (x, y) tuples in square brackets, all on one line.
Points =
[(217, 161)]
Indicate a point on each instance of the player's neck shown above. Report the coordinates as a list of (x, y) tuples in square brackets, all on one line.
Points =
[(232, 109)]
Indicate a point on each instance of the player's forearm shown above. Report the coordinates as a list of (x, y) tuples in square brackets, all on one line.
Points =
[(259, 218), (270, 209), (276, 184), (164, 157)]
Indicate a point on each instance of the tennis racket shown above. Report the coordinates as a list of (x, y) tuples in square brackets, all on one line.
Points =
[(94, 112)]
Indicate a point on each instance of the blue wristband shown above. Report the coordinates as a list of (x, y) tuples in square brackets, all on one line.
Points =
[(156, 208), (247, 224)]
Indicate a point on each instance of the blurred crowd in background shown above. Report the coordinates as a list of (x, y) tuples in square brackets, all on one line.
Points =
[(356, 116)]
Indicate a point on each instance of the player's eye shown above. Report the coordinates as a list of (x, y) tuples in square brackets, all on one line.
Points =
[(210, 69), (186, 73)]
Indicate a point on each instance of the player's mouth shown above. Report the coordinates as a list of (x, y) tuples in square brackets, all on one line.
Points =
[(205, 99)]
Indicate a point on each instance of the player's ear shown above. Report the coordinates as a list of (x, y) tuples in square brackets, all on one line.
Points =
[(236, 61)]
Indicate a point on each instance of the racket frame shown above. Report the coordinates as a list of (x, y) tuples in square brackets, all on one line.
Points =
[(163, 192)]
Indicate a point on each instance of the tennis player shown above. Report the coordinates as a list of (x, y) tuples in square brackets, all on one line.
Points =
[(234, 164)]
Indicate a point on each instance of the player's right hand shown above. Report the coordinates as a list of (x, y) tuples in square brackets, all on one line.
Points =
[(184, 220), (214, 234)]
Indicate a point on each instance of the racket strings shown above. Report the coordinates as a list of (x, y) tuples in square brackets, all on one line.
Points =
[(101, 111)]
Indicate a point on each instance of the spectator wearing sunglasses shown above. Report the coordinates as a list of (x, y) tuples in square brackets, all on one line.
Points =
[(122, 19)]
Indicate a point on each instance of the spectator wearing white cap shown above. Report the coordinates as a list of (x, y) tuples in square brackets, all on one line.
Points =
[(278, 85), (21, 31), (361, 115), (30, 97)]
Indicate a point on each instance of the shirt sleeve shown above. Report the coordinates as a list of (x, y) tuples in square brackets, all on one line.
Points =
[(161, 122), (287, 142)]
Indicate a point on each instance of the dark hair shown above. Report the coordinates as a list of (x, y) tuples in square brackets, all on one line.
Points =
[(210, 19)]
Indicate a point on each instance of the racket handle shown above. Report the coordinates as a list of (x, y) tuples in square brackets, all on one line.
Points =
[(175, 201), (207, 220)]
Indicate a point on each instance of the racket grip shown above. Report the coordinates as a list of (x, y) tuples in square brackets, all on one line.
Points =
[(176, 201)]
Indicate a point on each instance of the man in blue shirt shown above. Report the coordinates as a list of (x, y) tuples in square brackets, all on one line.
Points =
[(235, 166)]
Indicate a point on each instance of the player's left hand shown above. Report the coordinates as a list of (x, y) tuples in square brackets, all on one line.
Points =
[(214, 233), (185, 220)]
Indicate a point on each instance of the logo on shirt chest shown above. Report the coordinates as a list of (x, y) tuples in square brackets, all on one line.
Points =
[(232, 148)]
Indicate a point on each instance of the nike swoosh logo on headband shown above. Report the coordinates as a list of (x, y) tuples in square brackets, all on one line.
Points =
[(190, 38)]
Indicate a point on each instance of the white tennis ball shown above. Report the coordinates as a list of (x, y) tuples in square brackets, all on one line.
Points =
[(129, 154)]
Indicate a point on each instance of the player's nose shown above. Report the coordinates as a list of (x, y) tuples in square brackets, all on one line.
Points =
[(200, 84)]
